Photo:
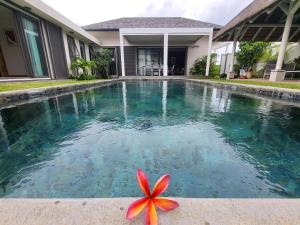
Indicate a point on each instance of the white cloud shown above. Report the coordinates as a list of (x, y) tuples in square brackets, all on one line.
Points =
[(93, 11)]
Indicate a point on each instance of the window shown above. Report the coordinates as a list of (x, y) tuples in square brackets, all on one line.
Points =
[(82, 49), (72, 47), (92, 53), (35, 47)]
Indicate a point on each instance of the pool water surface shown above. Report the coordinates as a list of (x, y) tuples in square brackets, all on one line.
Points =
[(213, 143)]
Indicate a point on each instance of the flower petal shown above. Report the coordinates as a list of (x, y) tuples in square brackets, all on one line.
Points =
[(143, 182), (161, 185), (150, 214), (136, 207), (165, 204)]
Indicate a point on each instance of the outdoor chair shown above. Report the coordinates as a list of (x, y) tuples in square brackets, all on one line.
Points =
[(171, 70), (268, 69), (290, 69)]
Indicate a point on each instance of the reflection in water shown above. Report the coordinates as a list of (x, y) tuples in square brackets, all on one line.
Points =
[(164, 99), (88, 144)]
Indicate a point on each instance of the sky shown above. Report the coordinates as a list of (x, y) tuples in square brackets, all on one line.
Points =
[(84, 12)]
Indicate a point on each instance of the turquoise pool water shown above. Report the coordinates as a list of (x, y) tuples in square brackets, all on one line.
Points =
[(214, 143)]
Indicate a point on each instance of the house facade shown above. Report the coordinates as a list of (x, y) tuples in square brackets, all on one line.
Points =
[(37, 42), (158, 46)]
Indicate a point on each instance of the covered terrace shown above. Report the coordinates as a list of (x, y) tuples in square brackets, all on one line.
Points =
[(265, 20)]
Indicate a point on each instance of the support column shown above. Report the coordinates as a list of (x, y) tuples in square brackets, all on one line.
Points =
[(166, 54), (230, 75), (209, 53), (122, 54), (278, 74), (124, 94)]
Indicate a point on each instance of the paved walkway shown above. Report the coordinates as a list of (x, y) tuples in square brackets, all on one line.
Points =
[(112, 212)]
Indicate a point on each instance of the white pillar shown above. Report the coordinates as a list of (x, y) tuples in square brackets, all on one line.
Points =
[(230, 75), (122, 54), (165, 54), (164, 99), (278, 74), (75, 104), (285, 38), (209, 53), (124, 94)]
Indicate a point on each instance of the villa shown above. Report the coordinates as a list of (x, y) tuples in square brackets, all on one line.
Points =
[(43, 42), (89, 151), (143, 44)]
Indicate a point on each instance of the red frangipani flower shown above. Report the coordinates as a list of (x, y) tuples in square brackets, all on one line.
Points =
[(151, 200)]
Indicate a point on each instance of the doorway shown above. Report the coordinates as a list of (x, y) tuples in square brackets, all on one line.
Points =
[(177, 61)]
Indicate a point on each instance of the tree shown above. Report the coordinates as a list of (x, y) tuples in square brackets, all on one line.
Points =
[(103, 59), (250, 53)]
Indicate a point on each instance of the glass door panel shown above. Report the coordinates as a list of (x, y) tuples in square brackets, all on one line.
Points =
[(34, 44)]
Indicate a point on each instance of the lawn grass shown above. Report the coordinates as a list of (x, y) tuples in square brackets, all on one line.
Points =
[(11, 86), (289, 85)]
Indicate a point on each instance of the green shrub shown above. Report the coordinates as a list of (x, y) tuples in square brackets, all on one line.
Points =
[(199, 66), (103, 59), (250, 53), (82, 68)]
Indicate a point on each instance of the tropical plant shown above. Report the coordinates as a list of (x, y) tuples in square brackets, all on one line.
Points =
[(151, 200), (103, 59), (250, 53), (199, 66), (297, 62), (83, 68)]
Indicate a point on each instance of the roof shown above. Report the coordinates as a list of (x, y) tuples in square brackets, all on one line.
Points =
[(247, 13), (262, 20), (149, 22), (42, 10)]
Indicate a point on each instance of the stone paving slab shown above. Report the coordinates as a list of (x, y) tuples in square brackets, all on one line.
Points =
[(112, 212)]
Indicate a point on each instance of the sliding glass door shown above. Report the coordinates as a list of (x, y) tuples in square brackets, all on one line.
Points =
[(149, 56), (34, 45)]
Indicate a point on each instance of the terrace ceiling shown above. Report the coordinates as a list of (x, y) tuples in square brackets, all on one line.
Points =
[(262, 20)]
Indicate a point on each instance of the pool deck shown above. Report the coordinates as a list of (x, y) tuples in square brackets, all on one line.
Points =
[(9, 98), (112, 212)]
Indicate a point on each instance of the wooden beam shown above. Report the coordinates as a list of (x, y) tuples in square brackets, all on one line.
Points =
[(270, 25), (257, 33), (294, 34), (270, 34), (284, 8), (243, 33), (296, 6)]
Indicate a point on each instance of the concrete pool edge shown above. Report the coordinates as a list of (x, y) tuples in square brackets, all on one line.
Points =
[(112, 211), (273, 92), (8, 98)]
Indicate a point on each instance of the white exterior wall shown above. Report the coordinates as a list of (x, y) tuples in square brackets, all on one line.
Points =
[(198, 50), (13, 55), (109, 38)]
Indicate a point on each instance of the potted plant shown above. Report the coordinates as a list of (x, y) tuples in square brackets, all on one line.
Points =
[(249, 54)]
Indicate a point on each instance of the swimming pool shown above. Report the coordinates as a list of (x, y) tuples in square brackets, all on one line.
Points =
[(213, 142)]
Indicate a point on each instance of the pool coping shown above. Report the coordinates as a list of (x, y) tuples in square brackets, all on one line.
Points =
[(19, 96), (273, 92), (111, 211), (9, 98)]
